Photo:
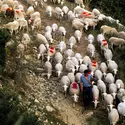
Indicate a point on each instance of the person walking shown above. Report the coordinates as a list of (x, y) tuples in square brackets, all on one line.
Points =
[(86, 88)]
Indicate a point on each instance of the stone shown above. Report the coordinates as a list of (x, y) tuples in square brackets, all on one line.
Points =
[(49, 108)]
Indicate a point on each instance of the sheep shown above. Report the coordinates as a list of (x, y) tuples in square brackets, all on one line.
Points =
[(58, 57), (91, 50), (70, 67), (98, 74), (54, 28), (121, 109), (62, 31), (23, 24), (112, 66), (104, 45), (96, 12), (116, 41), (12, 26), (62, 46), (58, 68), (69, 53), (74, 91), (101, 17), (42, 39), (48, 29), (119, 83), (95, 92), (78, 35), (82, 68), (78, 10), (8, 2), (20, 50), (100, 37), (16, 3), (65, 10), (76, 62), (49, 11), (32, 3), (113, 116), (51, 52), (108, 30), (71, 41), (48, 69), (65, 82), (79, 57), (80, 2), (109, 78), (34, 15), (49, 37), (21, 7), (36, 23), (102, 87), (109, 101), (30, 10), (86, 60), (25, 39), (108, 54), (103, 67), (42, 50), (113, 90), (70, 15), (93, 66), (77, 77), (91, 38), (71, 77), (59, 13), (121, 34), (4, 7), (77, 25), (19, 14)]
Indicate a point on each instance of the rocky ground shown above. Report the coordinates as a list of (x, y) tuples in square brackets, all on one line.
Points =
[(27, 77)]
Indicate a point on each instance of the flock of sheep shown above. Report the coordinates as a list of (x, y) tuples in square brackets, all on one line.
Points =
[(62, 58)]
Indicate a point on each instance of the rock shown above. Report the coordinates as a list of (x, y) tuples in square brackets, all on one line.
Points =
[(49, 108)]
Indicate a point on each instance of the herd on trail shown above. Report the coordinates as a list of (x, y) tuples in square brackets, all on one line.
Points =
[(61, 57)]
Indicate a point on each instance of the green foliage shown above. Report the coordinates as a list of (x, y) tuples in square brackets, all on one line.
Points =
[(114, 8), (4, 37)]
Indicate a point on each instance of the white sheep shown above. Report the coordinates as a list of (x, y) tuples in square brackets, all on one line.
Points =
[(104, 45), (48, 29), (113, 90), (58, 68), (62, 46), (70, 15), (72, 41), (91, 38), (59, 13), (109, 101), (48, 69), (82, 68), (70, 67), (69, 53), (76, 62), (8, 2), (49, 11), (49, 36), (95, 92), (36, 23), (98, 74), (102, 87), (77, 25), (32, 3), (77, 77), (58, 57), (100, 37), (42, 39), (62, 31), (78, 10), (23, 24), (86, 60), (101, 17), (119, 83), (35, 15), (30, 10), (79, 57), (91, 50), (74, 91), (108, 54), (51, 52), (19, 14), (112, 66), (65, 10), (96, 12), (54, 28), (113, 116), (116, 41), (80, 2), (71, 77), (109, 78), (103, 67), (108, 30), (78, 35), (4, 7), (42, 50), (65, 82)]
